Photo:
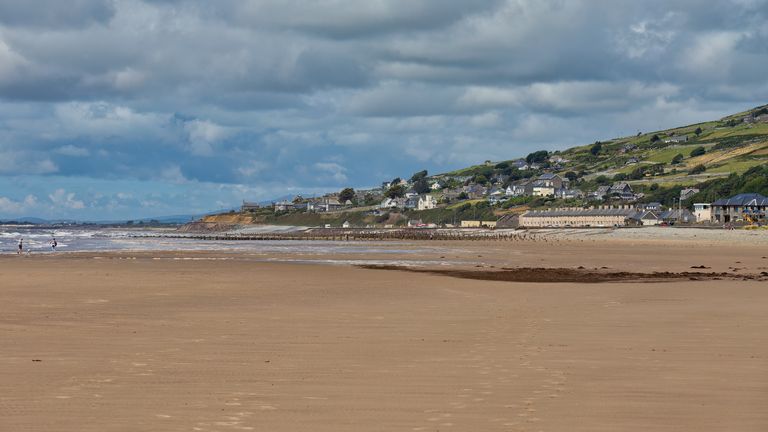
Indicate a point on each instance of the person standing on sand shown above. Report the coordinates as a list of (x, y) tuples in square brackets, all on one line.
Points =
[(21, 246)]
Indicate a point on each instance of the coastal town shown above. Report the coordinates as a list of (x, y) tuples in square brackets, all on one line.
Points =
[(524, 195), (708, 174)]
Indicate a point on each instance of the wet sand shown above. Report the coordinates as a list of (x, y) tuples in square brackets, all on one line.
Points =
[(226, 342)]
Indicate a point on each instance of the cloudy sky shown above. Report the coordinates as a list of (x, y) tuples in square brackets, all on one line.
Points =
[(113, 109)]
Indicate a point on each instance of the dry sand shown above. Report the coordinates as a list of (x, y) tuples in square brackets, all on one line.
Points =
[(224, 343)]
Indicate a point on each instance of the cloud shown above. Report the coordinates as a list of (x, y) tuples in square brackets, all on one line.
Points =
[(67, 200), (54, 13), (11, 207), (331, 170)]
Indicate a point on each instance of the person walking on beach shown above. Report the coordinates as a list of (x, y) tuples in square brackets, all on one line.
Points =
[(21, 246), (54, 244)]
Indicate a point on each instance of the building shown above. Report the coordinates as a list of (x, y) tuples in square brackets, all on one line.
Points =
[(688, 193), (568, 194), (578, 217), (515, 190), (542, 188), (750, 207), (346, 224), (621, 191), (678, 216), (249, 206), (654, 206), (702, 211), (676, 139), (283, 206), (644, 218), (392, 203), (426, 202), (478, 224)]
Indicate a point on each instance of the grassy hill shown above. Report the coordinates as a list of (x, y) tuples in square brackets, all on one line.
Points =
[(721, 157)]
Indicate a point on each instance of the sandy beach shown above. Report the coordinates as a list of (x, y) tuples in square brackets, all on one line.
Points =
[(208, 341)]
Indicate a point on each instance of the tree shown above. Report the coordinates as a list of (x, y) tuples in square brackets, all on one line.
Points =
[(462, 196), (677, 159), (537, 157), (602, 180), (421, 186), (480, 179), (698, 131), (571, 176), (346, 194), (396, 191), (655, 139), (596, 148), (698, 151), (418, 176), (502, 166), (698, 169), (655, 187), (620, 177)]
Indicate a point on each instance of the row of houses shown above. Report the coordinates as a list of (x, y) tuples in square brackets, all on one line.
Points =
[(604, 216)]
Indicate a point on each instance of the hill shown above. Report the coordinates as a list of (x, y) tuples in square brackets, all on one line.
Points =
[(720, 157)]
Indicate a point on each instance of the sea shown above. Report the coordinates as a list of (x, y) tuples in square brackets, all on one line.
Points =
[(37, 240)]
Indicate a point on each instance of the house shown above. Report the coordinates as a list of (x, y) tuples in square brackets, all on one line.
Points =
[(426, 202), (392, 203), (346, 224), (249, 207), (542, 188), (436, 186), (411, 193), (702, 211), (478, 224), (283, 206), (676, 139), (601, 193), (749, 207), (475, 191), (688, 193), (553, 180), (644, 218), (654, 206), (328, 204), (557, 159), (520, 164), (677, 216), (622, 191), (568, 194), (515, 190), (628, 148), (496, 196)]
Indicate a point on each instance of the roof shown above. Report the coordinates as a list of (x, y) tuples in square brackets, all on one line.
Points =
[(547, 176), (581, 212), (740, 200)]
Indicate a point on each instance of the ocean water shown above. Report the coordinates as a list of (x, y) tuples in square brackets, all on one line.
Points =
[(76, 239)]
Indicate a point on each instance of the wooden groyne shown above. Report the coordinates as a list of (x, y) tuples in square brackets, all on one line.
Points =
[(341, 234)]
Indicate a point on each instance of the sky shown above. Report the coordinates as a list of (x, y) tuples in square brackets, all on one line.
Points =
[(121, 109)]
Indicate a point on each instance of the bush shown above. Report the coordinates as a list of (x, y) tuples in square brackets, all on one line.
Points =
[(698, 151), (678, 158), (698, 169)]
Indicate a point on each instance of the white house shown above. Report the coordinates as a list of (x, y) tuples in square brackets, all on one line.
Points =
[(426, 202), (702, 211)]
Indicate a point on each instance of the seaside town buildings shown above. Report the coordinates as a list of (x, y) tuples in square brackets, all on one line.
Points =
[(748, 207)]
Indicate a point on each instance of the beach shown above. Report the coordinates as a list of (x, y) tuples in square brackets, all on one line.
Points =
[(213, 340)]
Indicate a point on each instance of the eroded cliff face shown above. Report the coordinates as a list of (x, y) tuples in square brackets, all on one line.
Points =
[(218, 223)]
